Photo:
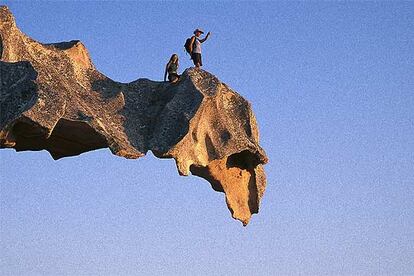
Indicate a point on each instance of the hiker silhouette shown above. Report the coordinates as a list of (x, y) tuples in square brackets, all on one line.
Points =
[(193, 46)]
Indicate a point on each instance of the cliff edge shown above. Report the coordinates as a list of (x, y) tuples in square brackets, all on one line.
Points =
[(53, 98)]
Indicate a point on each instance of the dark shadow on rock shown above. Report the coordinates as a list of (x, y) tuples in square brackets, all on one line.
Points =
[(245, 160), (204, 172), (107, 88), (68, 138), (145, 101), (18, 90), (172, 123), (63, 45), (1, 47), (157, 114)]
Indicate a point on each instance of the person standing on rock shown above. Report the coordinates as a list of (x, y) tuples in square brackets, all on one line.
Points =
[(171, 68), (195, 47)]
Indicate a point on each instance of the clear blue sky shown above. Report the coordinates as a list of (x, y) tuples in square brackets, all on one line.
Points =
[(332, 86)]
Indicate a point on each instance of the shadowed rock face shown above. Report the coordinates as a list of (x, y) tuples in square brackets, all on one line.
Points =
[(53, 98)]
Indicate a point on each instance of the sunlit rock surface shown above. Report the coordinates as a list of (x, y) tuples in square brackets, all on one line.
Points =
[(52, 98)]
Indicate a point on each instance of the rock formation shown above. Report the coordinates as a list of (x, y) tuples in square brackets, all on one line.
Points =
[(53, 98)]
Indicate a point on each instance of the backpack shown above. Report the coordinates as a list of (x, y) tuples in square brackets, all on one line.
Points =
[(187, 45)]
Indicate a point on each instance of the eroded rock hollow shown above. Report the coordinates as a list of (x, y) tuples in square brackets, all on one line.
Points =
[(53, 98)]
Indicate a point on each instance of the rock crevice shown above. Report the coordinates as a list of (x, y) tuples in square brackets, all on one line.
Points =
[(53, 98)]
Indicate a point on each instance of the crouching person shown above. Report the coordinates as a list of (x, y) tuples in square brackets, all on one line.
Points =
[(171, 69)]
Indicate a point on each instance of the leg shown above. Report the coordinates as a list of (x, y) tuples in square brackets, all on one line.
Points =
[(197, 60)]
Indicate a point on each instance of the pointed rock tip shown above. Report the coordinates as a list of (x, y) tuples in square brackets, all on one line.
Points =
[(4, 8), (76, 51), (6, 15)]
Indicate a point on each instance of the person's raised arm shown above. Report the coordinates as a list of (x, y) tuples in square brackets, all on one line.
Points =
[(204, 39)]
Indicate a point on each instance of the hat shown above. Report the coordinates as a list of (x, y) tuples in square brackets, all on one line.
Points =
[(198, 30)]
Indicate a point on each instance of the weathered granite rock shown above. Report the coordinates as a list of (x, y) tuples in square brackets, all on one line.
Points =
[(53, 98)]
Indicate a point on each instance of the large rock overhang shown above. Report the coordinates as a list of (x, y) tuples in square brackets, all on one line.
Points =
[(53, 98)]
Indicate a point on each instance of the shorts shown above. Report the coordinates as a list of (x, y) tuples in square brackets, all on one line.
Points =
[(196, 57)]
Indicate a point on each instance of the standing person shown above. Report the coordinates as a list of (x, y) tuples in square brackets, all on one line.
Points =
[(195, 47), (171, 68)]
